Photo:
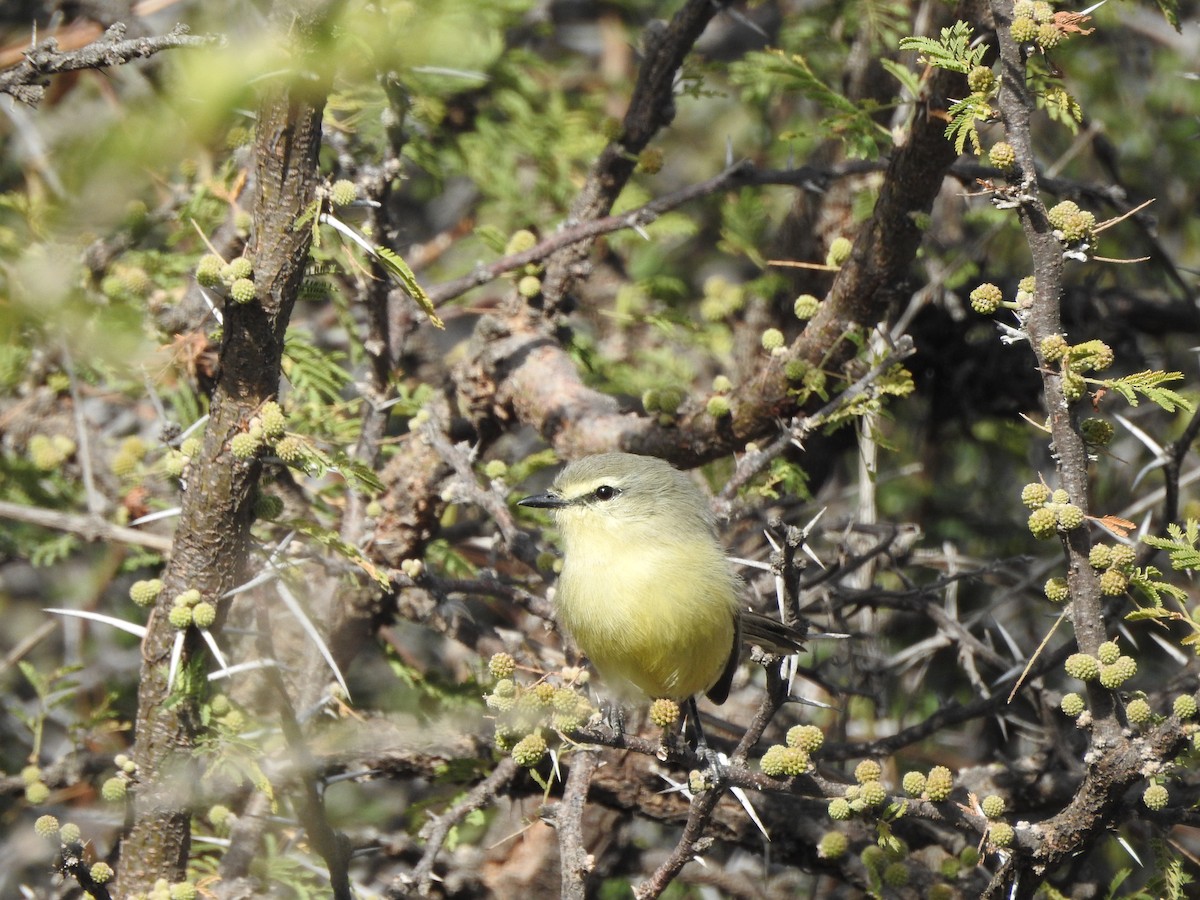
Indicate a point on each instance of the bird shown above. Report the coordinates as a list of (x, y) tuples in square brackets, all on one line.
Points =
[(646, 592)]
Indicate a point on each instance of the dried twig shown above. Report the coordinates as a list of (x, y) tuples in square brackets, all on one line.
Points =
[(26, 81)]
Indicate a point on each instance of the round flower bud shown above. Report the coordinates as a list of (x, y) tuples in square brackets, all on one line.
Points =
[(1184, 706), (1069, 516), (244, 445), (772, 339), (220, 816), (981, 79), (273, 420), (1123, 557), (1035, 495), (544, 693), (650, 160), (204, 615), (1114, 675), (241, 267), (873, 793), (1138, 711), (1073, 386), (839, 251), (1113, 582), (144, 593), (37, 793), (1156, 797), (189, 597), (290, 449), (664, 713), (914, 783), (717, 406), (268, 507), (1091, 355), (1049, 36), (794, 761), (1096, 432), (344, 192), (1002, 155), (1056, 590), (1054, 348), (772, 761), (806, 306), (1072, 704), (808, 738), (1001, 834), (722, 385), (669, 400), (992, 806), (521, 240), (70, 833), (113, 789), (1082, 666), (895, 875), (528, 751), (529, 286), (208, 270), (969, 856), (1043, 523), (832, 845), (174, 463), (1024, 30), (1100, 556), (242, 291), (46, 827), (30, 774), (566, 699), (502, 665), (1108, 652), (839, 809), (1060, 496), (867, 770), (986, 298), (101, 872), (873, 856), (180, 616), (183, 890), (938, 783)]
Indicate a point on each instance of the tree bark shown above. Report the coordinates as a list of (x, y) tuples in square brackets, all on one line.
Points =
[(212, 541)]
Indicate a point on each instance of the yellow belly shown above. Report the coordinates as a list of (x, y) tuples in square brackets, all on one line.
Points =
[(655, 617)]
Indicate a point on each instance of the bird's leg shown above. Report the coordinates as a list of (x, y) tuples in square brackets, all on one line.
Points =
[(614, 717), (710, 756)]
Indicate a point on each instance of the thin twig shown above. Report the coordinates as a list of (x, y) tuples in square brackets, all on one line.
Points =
[(436, 832), (88, 527), (26, 80)]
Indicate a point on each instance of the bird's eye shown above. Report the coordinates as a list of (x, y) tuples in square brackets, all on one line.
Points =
[(605, 492)]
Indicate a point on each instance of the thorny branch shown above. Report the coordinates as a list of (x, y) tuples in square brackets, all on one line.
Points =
[(26, 81)]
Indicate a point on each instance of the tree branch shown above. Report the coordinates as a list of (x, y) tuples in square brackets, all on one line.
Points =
[(26, 81)]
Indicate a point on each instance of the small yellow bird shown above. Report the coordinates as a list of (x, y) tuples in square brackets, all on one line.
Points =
[(646, 592)]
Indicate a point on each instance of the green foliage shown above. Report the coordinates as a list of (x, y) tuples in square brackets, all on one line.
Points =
[(398, 269), (1149, 384), (851, 122), (952, 51), (53, 691), (1180, 544), (331, 540)]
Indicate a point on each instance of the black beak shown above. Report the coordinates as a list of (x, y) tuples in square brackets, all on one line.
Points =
[(547, 500)]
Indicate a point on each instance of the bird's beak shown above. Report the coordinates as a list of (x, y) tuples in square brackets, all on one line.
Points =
[(548, 500)]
